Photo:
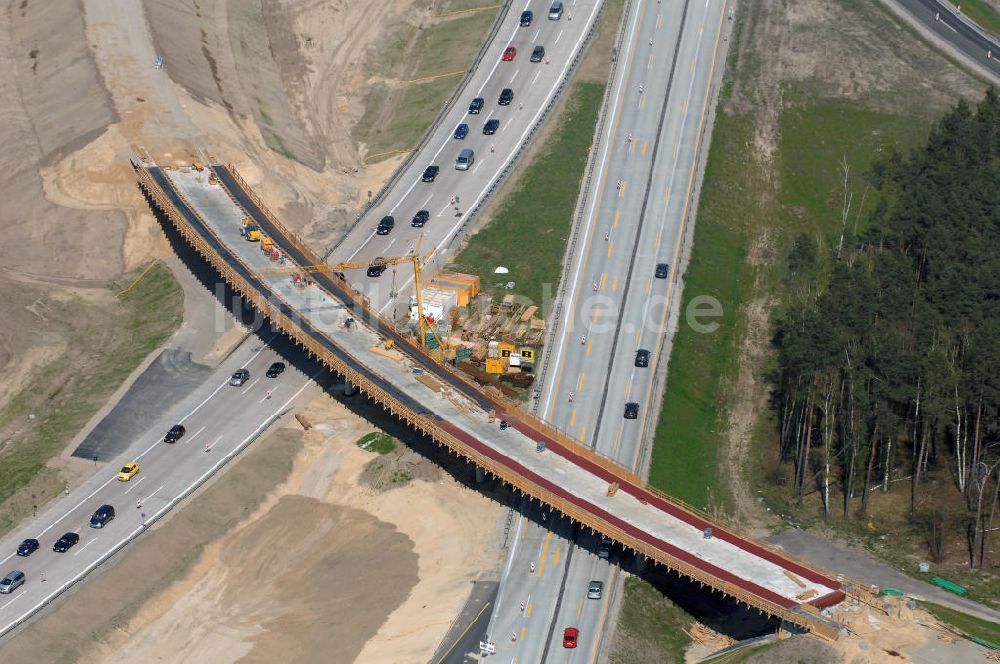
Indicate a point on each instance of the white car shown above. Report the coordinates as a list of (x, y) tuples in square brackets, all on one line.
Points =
[(158, 63)]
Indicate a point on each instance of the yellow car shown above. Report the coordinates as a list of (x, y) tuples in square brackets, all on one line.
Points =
[(128, 471)]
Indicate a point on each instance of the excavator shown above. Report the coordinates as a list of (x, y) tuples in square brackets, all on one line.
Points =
[(443, 352)]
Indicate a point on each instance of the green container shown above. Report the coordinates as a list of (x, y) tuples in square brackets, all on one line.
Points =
[(948, 585)]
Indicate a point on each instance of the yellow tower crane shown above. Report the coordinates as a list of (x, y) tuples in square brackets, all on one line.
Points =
[(413, 257)]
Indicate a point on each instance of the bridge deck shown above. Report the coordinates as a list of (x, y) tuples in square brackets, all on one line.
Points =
[(447, 406)]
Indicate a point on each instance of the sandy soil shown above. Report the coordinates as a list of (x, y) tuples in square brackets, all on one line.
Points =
[(324, 564)]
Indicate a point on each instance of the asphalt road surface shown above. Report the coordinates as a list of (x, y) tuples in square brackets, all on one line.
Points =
[(220, 420), (941, 19), (454, 193), (614, 307)]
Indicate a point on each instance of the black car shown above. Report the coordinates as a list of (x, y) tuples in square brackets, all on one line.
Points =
[(430, 173), (506, 96), (491, 126), (27, 547), (662, 270), (476, 105), (385, 225), (631, 410), (526, 18), (642, 358), (102, 516), (66, 542), (420, 218), (538, 54), (275, 370), (175, 433), (377, 267)]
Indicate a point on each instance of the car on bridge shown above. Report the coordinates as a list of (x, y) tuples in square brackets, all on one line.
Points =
[(461, 131), (570, 637), (662, 270), (477, 105), (27, 547), (642, 358), (275, 370), (509, 54), (538, 54), (175, 433), (377, 267), (420, 218), (104, 515), (527, 17), (506, 96), (239, 377), (430, 173), (631, 410), (386, 225), (11, 582), (128, 471), (491, 126), (66, 542)]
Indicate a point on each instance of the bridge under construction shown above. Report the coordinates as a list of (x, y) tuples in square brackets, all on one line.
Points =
[(209, 205)]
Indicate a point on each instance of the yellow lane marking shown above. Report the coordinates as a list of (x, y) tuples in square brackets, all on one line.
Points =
[(659, 21), (649, 286), (680, 234), (523, 630), (524, 526), (637, 337), (684, 105), (545, 552), (628, 382), (530, 609), (589, 341), (616, 440), (572, 418), (666, 194), (611, 245), (555, 557), (583, 432), (464, 632), (614, 283), (642, 104), (624, 187), (644, 145), (579, 611), (657, 237), (692, 66), (600, 197), (675, 151), (604, 279), (579, 386), (618, 213), (597, 310)]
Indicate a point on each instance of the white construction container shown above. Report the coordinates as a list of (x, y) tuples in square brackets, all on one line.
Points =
[(437, 303)]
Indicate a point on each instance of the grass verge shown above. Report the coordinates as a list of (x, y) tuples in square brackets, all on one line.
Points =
[(378, 442), (650, 628), (984, 630), (106, 343), (981, 14), (528, 232)]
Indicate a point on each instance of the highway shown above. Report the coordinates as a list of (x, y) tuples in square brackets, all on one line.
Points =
[(614, 306), (220, 420), (941, 19), (535, 86)]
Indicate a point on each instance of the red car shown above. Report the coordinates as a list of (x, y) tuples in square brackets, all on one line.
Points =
[(570, 636), (509, 54)]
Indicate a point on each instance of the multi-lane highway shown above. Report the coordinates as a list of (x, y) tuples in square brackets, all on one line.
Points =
[(220, 420), (614, 305), (453, 195)]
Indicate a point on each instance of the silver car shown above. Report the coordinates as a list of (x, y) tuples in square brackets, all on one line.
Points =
[(12, 582), (240, 376), (604, 550), (594, 590)]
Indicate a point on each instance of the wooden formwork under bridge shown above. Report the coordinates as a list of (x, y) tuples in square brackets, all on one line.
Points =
[(806, 614)]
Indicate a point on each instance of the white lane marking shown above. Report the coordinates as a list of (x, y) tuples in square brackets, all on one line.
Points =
[(514, 77), (391, 242), (476, 167), (180, 496), (132, 485), (154, 493), (537, 74), (252, 383), (16, 597), (428, 200), (80, 550), (534, 37), (368, 239), (213, 443), (574, 284), (460, 219), (188, 439), (225, 382), (446, 206), (557, 38), (510, 562)]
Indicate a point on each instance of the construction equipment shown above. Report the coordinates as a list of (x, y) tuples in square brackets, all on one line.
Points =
[(197, 165), (212, 179), (444, 351), (250, 230)]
